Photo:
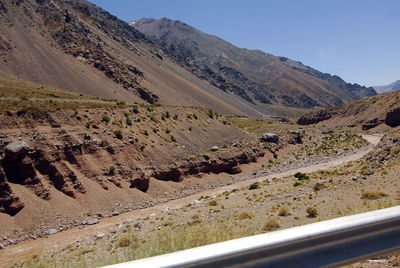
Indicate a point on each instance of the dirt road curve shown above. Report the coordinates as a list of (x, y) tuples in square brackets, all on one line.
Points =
[(26, 249)]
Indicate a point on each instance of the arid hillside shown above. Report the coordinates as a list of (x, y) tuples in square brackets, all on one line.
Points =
[(375, 113), (77, 46)]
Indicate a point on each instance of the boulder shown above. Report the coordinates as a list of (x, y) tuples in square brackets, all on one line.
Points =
[(50, 232), (214, 149), (393, 117), (269, 137), (17, 150), (296, 137), (92, 221)]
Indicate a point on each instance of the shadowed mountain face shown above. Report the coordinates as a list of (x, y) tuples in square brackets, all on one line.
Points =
[(255, 76), (395, 86)]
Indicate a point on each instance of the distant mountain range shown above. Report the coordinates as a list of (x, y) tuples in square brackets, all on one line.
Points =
[(257, 77), (395, 86)]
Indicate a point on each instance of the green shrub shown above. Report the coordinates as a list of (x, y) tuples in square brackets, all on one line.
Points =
[(105, 118), (118, 134), (167, 131), (167, 115), (301, 176), (135, 109), (254, 186), (319, 186), (176, 116), (173, 138), (195, 116), (210, 113), (112, 170), (146, 133), (296, 184), (128, 122)]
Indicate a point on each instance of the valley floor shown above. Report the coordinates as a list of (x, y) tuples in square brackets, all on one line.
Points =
[(259, 204)]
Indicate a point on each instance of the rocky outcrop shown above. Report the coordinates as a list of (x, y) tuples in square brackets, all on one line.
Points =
[(141, 183), (45, 166), (9, 203), (171, 174), (17, 150), (20, 169), (296, 137), (393, 117), (371, 124), (269, 137), (314, 117), (229, 164), (77, 39)]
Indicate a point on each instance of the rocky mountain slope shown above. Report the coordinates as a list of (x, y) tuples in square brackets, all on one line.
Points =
[(375, 113), (395, 86), (255, 76), (78, 46), (356, 89)]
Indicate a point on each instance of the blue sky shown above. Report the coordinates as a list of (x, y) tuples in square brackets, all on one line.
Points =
[(359, 40)]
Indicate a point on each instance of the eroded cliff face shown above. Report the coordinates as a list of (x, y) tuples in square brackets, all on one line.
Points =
[(59, 152)]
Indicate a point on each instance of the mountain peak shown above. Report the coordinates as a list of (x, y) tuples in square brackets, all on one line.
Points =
[(395, 86)]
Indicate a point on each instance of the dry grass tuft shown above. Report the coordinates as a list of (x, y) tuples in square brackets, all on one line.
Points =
[(213, 203), (373, 195), (312, 212), (244, 215), (271, 224), (283, 211)]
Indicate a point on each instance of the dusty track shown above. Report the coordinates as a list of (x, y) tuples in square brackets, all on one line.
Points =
[(29, 248)]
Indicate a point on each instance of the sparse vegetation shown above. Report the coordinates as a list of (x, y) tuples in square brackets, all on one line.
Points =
[(312, 212), (213, 203), (128, 121), (111, 170), (210, 113), (284, 211), (118, 134), (173, 139), (105, 118), (271, 224), (254, 186), (244, 215), (373, 195), (301, 176)]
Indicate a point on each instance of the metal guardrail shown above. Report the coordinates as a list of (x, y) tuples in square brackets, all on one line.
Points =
[(328, 243)]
